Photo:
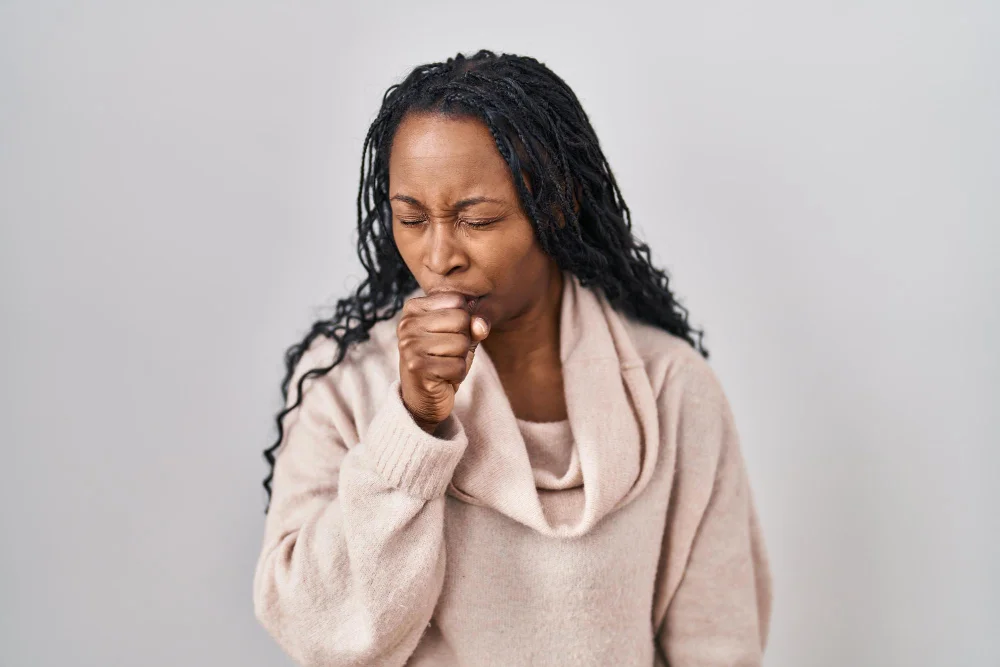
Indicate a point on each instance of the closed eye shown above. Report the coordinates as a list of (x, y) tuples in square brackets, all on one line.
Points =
[(482, 223)]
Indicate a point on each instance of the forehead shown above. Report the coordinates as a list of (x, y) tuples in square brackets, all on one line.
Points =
[(445, 156)]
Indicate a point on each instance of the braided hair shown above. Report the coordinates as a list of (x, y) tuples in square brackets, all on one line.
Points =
[(563, 181)]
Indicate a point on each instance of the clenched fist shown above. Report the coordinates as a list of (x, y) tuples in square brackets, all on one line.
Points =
[(438, 335)]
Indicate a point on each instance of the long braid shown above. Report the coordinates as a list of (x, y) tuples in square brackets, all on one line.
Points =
[(571, 197)]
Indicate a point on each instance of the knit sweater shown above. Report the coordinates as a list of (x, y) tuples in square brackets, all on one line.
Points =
[(387, 545)]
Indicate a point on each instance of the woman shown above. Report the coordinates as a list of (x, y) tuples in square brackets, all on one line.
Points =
[(507, 447)]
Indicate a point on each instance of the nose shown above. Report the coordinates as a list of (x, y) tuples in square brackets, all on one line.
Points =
[(444, 253)]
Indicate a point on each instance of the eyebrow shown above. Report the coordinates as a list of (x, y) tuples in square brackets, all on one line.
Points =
[(463, 203)]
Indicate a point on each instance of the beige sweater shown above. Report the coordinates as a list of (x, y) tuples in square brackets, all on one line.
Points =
[(386, 545)]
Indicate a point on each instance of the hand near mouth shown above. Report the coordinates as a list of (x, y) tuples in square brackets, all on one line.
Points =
[(438, 335)]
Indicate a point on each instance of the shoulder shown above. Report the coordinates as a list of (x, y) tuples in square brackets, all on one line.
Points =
[(671, 360), (694, 409), (342, 391), (364, 362), (693, 406)]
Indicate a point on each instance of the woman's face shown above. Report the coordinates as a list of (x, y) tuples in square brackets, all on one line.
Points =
[(457, 219)]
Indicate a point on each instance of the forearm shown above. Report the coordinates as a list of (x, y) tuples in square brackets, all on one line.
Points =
[(351, 571), (356, 584)]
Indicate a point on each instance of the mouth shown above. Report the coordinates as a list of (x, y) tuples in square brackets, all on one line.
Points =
[(474, 301)]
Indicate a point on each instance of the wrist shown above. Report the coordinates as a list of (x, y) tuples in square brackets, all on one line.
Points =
[(428, 427)]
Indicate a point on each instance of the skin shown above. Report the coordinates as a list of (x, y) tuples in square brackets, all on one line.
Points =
[(460, 228)]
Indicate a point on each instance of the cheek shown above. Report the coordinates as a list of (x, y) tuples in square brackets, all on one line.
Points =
[(407, 244), (512, 254)]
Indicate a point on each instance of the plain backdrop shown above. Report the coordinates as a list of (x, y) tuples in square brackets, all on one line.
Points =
[(177, 186)]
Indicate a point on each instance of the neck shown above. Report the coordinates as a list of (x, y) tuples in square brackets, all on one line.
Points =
[(530, 342)]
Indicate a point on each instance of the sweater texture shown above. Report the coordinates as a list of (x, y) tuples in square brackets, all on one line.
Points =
[(625, 532)]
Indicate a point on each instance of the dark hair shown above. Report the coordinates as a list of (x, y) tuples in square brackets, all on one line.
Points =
[(570, 196)]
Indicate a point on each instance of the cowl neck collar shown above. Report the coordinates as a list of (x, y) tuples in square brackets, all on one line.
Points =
[(611, 411)]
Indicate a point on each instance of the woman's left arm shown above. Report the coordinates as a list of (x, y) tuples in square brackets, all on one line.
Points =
[(714, 588)]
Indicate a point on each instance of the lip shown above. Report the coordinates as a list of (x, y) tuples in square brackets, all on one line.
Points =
[(467, 294)]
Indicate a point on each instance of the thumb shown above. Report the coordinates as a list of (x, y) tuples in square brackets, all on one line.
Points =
[(480, 330)]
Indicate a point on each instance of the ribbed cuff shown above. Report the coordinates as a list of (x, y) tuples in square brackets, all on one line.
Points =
[(409, 457)]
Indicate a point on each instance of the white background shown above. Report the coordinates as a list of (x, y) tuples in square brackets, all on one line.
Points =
[(177, 185)]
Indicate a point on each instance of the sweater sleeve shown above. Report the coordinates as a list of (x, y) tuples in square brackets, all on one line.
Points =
[(353, 557), (715, 582)]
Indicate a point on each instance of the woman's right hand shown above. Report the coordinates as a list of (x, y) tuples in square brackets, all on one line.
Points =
[(438, 336)]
